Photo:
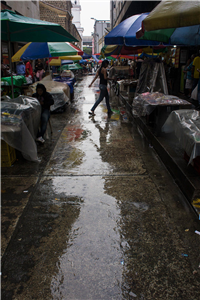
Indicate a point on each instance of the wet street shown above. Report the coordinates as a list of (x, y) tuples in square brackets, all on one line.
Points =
[(99, 217)]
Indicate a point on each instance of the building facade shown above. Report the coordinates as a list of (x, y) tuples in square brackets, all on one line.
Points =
[(26, 8), (88, 44), (121, 10), (76, 13), (60, 12), (101, 28)]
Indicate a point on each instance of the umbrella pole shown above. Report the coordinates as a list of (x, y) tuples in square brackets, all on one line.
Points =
[(49, 66), (10, 62)]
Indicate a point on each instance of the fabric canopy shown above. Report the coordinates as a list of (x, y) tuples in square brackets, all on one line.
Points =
[(173, 14), (125, 33), (43, 50), (17, 28), (79, 51), (188, 36)]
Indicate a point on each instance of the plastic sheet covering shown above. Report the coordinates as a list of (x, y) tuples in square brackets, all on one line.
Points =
[(119, 72), (20, 120), (67, 80), (152, 77), (185, 123), (59, 91), (144, 104)]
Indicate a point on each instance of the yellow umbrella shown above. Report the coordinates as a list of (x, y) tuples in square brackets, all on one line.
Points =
[(173, 14), (19, 53)]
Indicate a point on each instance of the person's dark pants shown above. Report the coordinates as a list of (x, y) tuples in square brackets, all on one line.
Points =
[(198, 97), (103, 93), (195, 82), (43, 122)]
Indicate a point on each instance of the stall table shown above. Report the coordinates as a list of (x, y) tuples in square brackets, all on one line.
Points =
[(186, 126), (20, 120), (156, 108)]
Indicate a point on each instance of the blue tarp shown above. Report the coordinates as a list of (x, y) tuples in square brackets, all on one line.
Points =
[(69, 81)]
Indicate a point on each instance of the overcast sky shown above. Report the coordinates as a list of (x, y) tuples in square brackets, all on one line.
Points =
[(99, 10)]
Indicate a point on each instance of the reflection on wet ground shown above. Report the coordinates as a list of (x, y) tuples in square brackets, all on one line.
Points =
[(105, 220)]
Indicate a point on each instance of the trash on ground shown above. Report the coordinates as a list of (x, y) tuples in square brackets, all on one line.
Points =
[(132, 294)]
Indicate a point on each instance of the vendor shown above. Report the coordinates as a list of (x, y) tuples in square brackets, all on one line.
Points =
[(29, 71), (39, 69), (46, 100)]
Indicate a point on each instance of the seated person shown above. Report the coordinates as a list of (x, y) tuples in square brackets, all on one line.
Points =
[(21, 69), (46, 100)]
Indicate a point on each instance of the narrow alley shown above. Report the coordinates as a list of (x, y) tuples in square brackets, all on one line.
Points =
[(99, 217)]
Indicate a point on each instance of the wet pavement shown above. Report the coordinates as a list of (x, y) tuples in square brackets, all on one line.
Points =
[(98, 218)]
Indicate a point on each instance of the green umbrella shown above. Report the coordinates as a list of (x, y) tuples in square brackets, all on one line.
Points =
[(17, 28), (71, 67)]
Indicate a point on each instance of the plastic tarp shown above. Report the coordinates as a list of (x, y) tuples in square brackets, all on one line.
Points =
[(144, 104), (152, 77), (59, 91), (186, 126), (173, 14), (18, 80), (66, 79), (20, 120)]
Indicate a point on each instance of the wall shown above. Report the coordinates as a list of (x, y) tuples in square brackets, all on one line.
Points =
[(25, 8)]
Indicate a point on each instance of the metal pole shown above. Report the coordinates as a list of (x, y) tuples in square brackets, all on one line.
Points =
[(10, 62)]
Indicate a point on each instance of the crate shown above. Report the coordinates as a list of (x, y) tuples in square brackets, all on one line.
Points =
[(8, 155)]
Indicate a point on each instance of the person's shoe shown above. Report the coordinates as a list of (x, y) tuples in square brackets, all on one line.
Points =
[(91, 113), (40, 139), (110, 113)]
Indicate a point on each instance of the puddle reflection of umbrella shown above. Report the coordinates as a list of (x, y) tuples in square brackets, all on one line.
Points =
[(17, 28)]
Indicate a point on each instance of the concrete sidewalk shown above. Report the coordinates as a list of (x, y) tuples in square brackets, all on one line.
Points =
[(99, 217)]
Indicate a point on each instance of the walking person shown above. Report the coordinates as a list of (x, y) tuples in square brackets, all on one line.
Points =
[(102, 73)]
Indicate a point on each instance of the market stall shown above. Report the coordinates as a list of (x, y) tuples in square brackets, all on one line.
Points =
[(123, 83), (156, 107), (19, 82), (186, 126), (20, 120), (59, 91), (67, 77)]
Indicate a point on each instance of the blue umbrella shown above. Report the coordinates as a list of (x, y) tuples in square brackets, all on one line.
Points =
[(83, 61), (86, 56), (125, 33)]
